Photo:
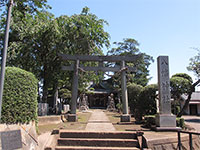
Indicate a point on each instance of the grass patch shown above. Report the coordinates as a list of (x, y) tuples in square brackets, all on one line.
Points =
[(83, 117), (79, 125), (47, 128), (114, 118)]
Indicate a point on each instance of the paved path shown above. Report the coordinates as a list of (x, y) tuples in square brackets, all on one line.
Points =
[(193, 121), (99, 122)]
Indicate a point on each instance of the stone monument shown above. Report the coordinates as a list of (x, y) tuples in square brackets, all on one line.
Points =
[(165, 120), (84, 103), (111, 103)]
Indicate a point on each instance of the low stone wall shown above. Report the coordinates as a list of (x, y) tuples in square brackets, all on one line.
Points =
[(28, 134), (172, 143), (43, 120)]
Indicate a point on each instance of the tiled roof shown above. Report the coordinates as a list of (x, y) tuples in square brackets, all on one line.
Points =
[(195, 96)]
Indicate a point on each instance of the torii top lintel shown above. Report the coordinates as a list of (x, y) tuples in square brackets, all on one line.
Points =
[(99, 58)]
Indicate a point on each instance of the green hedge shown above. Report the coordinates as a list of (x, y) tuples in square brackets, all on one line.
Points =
[(150, 120), (19, 97)]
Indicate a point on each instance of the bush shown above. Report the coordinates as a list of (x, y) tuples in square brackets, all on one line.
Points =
[(180, 122), (119, 107), (19, 97), (134, 91), (150, 120), (147, 102)]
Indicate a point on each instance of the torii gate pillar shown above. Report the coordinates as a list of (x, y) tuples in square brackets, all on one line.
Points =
[(125, 117), (72, 117)]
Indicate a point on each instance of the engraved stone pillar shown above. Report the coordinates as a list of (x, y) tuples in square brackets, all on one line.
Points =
[(164, 119), (72, 117), (125, 117)]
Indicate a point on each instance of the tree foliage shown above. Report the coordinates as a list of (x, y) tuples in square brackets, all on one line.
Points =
[(24, 6), (129, 47), (180, 83), (194, 64), (35, 41)]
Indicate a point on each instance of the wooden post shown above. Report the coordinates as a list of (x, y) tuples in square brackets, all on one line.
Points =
[(125, 117)]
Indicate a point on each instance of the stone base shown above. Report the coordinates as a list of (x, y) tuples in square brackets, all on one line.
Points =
[(72, 118), (125, 118), (167, 128), (165, 120)]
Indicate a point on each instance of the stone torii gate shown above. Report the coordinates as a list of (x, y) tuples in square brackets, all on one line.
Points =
[(100, 59)]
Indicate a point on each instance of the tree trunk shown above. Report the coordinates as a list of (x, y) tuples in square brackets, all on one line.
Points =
[(39, 99), (45, 85), (55, 97), (188, 98)]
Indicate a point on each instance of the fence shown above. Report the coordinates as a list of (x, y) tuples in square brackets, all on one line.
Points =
[(190, 138)]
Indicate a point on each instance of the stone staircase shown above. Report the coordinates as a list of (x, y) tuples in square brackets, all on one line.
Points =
[(90, 140)]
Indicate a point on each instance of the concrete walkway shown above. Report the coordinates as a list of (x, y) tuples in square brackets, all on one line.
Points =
[(193, 121), (99, 122)]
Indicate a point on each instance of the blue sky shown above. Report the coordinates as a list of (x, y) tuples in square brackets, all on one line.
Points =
[(162, 27)]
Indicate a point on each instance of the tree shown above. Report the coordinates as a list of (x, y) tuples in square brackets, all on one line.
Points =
[(36, 40), (129, 47), (23, 6), (180, 83), (188, 98), (194, 64)]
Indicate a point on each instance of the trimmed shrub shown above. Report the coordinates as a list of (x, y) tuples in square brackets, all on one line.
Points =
[(180, 122), (134, 91), (150, 120), (19, 97), (147, 102)]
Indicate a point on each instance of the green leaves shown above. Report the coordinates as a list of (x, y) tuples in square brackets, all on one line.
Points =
[(26, 6), (180, 83), (194, 64), (134, 91), (147, 100), (36, 39), (19, 97), (129, 47)]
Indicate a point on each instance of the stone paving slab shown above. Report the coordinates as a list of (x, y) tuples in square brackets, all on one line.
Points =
[(193, 121), (99, 122)]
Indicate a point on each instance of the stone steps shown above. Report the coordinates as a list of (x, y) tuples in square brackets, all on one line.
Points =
[(90, 140), (98, 135), (93, 148), (97, 142)]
